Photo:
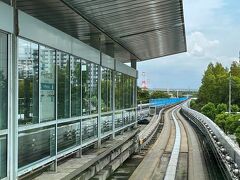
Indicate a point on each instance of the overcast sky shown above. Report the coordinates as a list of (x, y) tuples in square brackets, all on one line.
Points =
[(213, 35)]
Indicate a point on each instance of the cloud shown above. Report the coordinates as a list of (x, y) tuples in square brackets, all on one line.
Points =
[(200, 14), (200, 46), (212, 29)]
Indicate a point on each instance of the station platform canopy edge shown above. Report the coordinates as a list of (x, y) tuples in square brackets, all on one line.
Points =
[(124, 29)]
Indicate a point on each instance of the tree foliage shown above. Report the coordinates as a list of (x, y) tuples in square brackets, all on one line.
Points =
[(158, 94), (220, 120), (194, 104), (234, 108), (215, 89), (209, 110), (221, 108), (232, 123), (142, 95), (235, 69), (237, 134), (214, 86)]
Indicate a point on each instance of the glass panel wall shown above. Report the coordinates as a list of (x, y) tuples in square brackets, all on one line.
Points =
[(68, 135), (132, 115), (3, 157), (89, 88), (94, 88), (47, 60), (69, 85), (3, 81), (118, 91), (106, 90), (118, 119), (63, 85), (75, 65), (130, 92), (89, 129), (133, 88), (85, 89), (124, 91), (28, 97), (35, 145), (126, 117), (127, 91), (106, 123)]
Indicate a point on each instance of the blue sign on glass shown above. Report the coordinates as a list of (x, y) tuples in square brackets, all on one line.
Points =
[(47, 86)]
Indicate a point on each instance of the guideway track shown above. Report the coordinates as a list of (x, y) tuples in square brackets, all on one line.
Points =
[(176, 153)]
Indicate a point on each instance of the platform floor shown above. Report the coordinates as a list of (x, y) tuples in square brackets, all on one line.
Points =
[(79, 164)]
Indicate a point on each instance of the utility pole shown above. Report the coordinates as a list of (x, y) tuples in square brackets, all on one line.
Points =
[(239, 58), (230, 94)]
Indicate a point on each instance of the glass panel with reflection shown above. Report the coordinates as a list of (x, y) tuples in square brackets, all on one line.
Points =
[(28, 92), (3, 81), (47, 83), (75, 65), (63, 85), (3, 157)]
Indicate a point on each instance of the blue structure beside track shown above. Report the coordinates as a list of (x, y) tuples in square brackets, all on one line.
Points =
[(166, 101)]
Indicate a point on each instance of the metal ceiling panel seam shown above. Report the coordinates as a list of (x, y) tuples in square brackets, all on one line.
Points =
[(145, 28)]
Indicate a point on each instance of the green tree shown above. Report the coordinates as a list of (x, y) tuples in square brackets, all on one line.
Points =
[(214, 86), (158, 94), (235, 69), (194, 104), (209, 110), (220, 120), (234, 108), (232, 123), (221, 108), (142, 95), (237, 134), (207, 84), (235, 89)]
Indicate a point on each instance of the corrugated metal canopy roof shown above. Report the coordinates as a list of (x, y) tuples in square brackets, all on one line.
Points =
[(146, 28)]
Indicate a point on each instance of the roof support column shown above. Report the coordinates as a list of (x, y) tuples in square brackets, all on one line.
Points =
[(134, 63), (99, 106), (113, 100), (13, 99), (134, 66)]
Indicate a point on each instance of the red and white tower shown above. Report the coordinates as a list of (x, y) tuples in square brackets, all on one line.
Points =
[(144, 82)]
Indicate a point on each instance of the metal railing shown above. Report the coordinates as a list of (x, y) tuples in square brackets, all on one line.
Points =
[(227, 152)]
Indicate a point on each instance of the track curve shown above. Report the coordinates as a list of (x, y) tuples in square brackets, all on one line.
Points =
[(176, 154)]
